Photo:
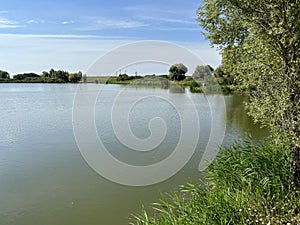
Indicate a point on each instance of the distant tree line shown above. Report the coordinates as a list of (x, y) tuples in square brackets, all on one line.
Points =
[(53, 76), (203, 74), (177, 72), (125, 77)]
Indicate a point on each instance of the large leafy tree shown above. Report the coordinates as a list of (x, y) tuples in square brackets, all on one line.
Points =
[(260, 43), (177, 72), (57, 76), (201, 71)]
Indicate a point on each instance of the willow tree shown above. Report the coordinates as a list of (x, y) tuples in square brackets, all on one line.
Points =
[(260, 42)]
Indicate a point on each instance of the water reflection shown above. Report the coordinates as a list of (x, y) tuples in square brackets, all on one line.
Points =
[(43, 176)]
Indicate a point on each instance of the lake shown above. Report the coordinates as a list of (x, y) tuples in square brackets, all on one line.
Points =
[(44, 178)]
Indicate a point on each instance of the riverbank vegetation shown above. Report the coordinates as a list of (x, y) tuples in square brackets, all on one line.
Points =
[(203, 80), (250, 183), (52, 76), (259, 41)]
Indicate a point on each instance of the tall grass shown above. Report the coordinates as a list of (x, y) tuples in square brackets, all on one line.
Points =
[(247, 184)]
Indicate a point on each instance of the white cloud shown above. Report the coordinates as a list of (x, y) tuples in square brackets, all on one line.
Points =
[(63, 36), (67, 22), (182, 21), (119, 23), (164, 19), (5, 23), (205, 52), (43, 52), (106, 23), (149, 9), (72, 52), (32, 22), (185, 21), (178, 28)]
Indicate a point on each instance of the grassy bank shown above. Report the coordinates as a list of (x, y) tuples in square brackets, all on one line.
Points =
[(162, 81), (247, 184)]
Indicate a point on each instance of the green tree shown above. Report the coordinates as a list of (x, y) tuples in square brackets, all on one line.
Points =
[(72, 78), (123, 77), (224, 77), (23, 76), (57, 76), (4, 75), (177, 72), (260, 42), (201, 71), (79, 76), (75, 77), (45, 74)]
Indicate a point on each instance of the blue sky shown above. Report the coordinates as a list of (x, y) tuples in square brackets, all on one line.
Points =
[(37, 35)]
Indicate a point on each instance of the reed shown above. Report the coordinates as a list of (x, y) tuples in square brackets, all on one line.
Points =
[(248, 183)]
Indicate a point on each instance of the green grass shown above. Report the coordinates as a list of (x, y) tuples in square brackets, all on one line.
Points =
[(162, 82), (247, 184)]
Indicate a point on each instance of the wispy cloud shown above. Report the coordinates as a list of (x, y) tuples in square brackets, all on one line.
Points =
[(161, 18), (43, 52), (67, 22), (6, 24), (106, 23), (178, 28), (182, 21), (70, 52), (32, 22), (160, 11), (119, 23), (149, 9), (63, 36)]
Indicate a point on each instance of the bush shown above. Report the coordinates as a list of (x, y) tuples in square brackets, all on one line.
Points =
[(247, 184)]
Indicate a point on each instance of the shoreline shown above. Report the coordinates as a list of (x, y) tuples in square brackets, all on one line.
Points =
[(160, 81)]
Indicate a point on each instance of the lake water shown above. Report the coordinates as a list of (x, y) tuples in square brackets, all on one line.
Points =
[(44, 178)]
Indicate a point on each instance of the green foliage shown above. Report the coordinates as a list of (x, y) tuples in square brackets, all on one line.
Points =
[(224, 77), (124, 77), (4, 75), (177, 72), (57, 76), (52, 76), (24, 76), (247, 184), (260, 44), (72, 78), (164, 76), (201, 71), (152, 81), (75, 77)]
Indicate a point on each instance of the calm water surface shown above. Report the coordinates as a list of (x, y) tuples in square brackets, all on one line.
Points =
[(45, 180)]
